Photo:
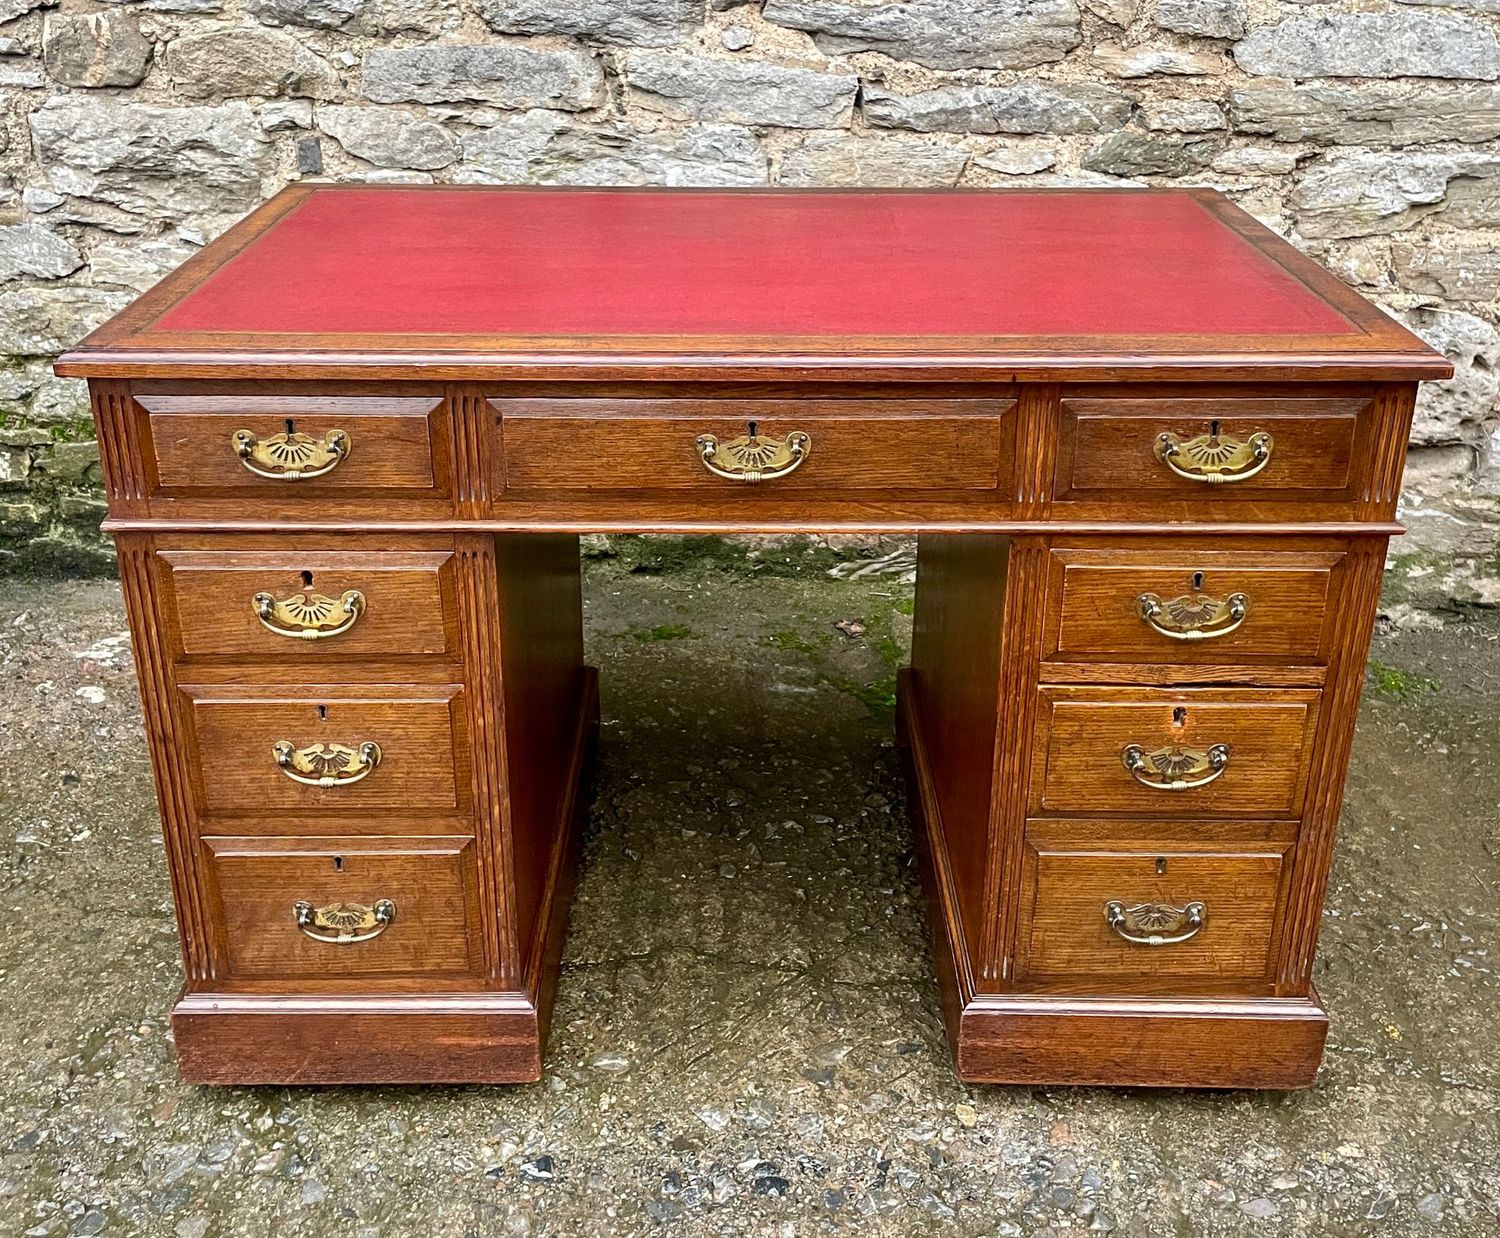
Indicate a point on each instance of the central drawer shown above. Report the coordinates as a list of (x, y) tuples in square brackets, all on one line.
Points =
[(329, 750), (1180, 752), (663, 445)]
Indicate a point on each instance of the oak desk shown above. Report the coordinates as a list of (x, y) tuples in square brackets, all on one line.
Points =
[(1153, 455)]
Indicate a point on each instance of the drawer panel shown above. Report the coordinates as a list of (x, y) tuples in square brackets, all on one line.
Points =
[(604, 445), (295, 605), (389, 445), (1073, 887), (1083, 734), (422, 765), (1108, 448), (1190, 600), (414, 900)]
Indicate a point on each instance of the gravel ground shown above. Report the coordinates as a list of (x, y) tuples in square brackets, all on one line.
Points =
[(747, 1038)]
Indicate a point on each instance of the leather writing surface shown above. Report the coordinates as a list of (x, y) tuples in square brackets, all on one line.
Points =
[(588, 263)]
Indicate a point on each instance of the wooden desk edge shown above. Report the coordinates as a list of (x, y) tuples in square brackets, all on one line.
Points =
[(1014, 528), (996, 367)]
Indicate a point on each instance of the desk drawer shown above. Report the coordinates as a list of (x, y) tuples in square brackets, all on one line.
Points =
[(330, 750), (646, 445), (1190, 600), (1238, 450), (1090, 910), (297, 447), (305, 602), (404, 906), (1156, 752)]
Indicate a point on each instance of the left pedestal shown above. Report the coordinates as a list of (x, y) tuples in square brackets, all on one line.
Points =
[(368, 751)]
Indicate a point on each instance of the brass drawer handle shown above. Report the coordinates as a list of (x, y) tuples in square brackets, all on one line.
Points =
[(309, 616), (292, 456), (1154, 924), (343, 924), (1215, 458), (753, 457), (1192, 616), (1173, 768), (326, 765)]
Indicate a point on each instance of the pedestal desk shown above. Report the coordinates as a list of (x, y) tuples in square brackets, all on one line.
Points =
[(1152, 454)]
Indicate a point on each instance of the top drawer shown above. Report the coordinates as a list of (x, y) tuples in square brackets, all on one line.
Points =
[(297, 447), (706, 447), (1152, 458)]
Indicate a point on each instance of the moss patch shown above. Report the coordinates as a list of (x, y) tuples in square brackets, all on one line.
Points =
[(1393, 682), (663, 631)]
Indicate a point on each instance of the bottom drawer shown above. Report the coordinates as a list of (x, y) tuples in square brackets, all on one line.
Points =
[(337, 909), (1162, 911)]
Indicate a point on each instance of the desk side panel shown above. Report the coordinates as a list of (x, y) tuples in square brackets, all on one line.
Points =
[(961, 580), (539, 599)]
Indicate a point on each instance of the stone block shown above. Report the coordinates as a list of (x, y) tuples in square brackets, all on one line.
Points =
[(641, 23), (544, 148), (165, 162), (739, 91), (1017, 160), (1460, 409), (1372, 193), (1182, 115), (32, 249), (1380, 44), (942, 34), (71, 463), (1369, 114), (1131, 62), (875, 159), (1133, 153), (389, 138), (1459, 271), (237, 61), (370, 17), (506, 75), (1025, 107), (95, 49), (1217, 19), (43, 320)]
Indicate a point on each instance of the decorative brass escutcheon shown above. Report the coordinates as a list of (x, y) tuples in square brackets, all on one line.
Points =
[(309, 616), (1174, 768), (1215, 458), (1154, 924), (753, 457), (343, 924), (1192, 616), (325, 765), (292, 456)]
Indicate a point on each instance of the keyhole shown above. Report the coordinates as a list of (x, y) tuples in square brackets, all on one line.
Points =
[(322, 713), (338, 864), (1161, 865), (291, 426), (1179, 716), (1213, 429), (751, 428), (307, 580), (1197, 580)]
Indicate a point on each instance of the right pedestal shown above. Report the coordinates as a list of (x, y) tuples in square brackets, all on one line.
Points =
[(1125, 756)]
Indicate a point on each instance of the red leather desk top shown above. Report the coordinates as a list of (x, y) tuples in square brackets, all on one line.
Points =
[(333, 270)]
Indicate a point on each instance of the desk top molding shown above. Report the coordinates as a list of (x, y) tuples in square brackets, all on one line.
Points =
[(486, 284)]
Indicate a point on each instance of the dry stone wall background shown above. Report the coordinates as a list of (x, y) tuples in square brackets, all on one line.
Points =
[(133, 131)]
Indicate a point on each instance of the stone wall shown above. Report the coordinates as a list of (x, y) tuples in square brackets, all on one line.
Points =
[(133, 131)]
